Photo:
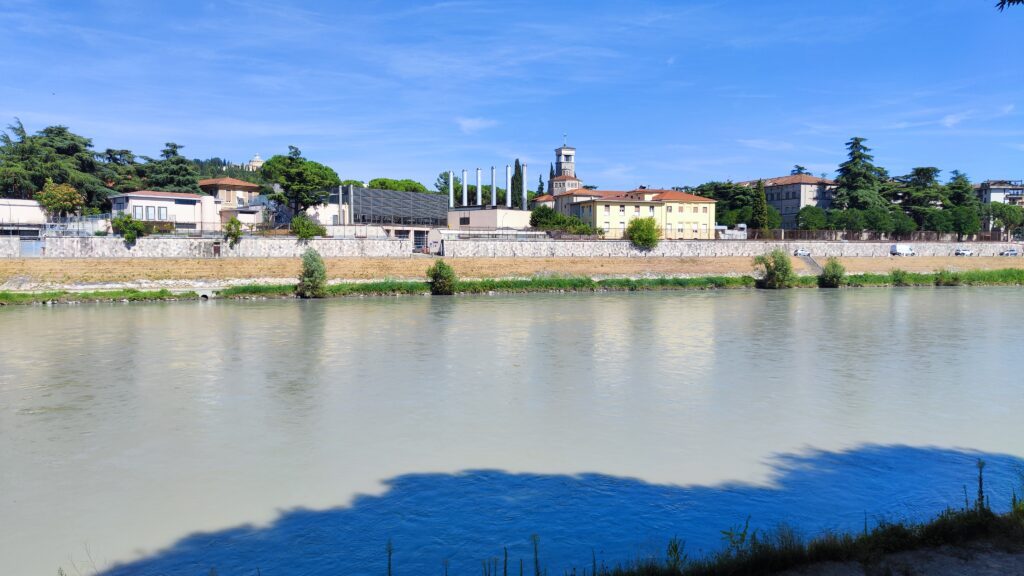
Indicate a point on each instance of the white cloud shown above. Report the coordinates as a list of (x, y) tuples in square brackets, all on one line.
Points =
[(950, 120), (471, 125), (768, 145)]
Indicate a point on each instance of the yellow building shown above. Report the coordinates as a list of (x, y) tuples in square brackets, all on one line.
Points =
[(681, 216)]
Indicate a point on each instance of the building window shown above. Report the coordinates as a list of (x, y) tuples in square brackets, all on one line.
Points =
[(607, 225), (636, 210), (607, 209), (150, 213), (622, 209), (668, 228), (694, 209), (463, 220), (704, 209), (622, 225), (650, 210), (163, 213), (137, 212), (668, 209)]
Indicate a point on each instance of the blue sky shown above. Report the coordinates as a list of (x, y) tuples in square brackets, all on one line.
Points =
[(654, 93)]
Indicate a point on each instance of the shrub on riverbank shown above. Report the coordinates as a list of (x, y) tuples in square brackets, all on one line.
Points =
[(129, 228), (947, 278), (313, 280), (776, 270), (442, 279), (833, 274), (305, 229)]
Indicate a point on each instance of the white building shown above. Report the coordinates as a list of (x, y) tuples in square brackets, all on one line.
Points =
[(180, 210), (1001, 191), (788, 194)]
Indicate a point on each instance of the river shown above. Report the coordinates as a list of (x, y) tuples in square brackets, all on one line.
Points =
[(299, 437)]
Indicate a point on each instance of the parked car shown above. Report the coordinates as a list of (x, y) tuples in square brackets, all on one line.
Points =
[(902, 250), (963, 252), (801, 252), (1010, 252)]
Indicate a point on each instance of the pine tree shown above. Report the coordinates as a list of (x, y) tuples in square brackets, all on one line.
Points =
[(551, 172), (961, 192), (859, 181), (174, 173), (540, 185)]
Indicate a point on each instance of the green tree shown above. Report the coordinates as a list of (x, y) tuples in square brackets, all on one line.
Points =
[(233, 231), (879, 219), (859, 181), (404, 185), (59, 199), (305, 229), (833, 274), (441, 185), (960, 191), (1007, 216), (902, 223), (303, 183), (129, 228), (350, 182), (811, 218), (921, 189), (643, 233), (517, 184), (313, 279), (934, 219), (965, 221), (540, 185), (798, 170), (759, 209), (551, 171), (443, 280), (775, 269), (173, 172), (1003, 4)]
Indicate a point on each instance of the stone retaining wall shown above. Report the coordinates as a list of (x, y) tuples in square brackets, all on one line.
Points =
[(696, 248), (10, 247), (149, 247)]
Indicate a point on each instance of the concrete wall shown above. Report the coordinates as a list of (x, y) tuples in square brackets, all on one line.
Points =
[(249, 247), (695, 248), (14, 211), (10, 247)]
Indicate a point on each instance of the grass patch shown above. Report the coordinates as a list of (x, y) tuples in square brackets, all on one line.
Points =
[(63, 296), (276, 290)]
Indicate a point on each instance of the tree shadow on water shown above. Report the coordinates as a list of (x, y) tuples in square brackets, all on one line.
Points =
[(470, 516)]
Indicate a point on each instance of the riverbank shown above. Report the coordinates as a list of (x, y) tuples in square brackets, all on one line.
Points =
[(177, 275), (895, 278)]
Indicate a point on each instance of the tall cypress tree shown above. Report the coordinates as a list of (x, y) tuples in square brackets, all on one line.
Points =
[(517, 185), (759, 209), (859, 181)]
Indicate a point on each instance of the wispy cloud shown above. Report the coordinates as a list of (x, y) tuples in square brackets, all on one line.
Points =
[(767, 145), (471, 125)]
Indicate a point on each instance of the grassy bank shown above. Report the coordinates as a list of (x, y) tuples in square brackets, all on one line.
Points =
[(64, 296)]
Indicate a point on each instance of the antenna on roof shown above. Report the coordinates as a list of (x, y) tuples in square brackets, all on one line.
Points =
[(565, 139)]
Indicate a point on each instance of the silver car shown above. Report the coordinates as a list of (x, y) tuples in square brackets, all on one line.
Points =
[(801, 252)]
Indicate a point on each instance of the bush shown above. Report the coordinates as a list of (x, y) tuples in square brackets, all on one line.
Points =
[(833, 275), (100, 233), (643, 233), (305, 228), (900, 277), (233, 232), (313, 280), (776, 270), (947, 278), (544, 218), (128, 227), (442, 279)]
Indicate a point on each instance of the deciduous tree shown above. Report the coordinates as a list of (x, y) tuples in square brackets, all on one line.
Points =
[(304, 183)]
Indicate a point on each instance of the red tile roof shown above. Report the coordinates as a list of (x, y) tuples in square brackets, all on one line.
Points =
[(659, 195), (159, 194), (544, 198), (791, 179), (676, 196), (226, 182), (566, 178)]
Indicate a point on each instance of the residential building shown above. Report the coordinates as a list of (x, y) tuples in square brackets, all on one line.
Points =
[(1001, 191), (788, 194), (544, 200), (564, 181), (681, 216), (21, 217), (235, 199), (185, 211)]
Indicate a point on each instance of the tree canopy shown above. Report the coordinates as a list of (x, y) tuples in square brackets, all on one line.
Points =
[(405, 185), (173, 172), (304, 183), (859, 181)]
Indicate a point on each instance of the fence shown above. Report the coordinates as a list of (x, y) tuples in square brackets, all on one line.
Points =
[(869, 236)]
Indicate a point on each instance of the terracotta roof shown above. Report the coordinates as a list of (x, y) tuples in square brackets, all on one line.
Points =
[(159, 194), (566, 178), (596, 193), (544, 198), (676, 196), (222, 182), (791, 179)]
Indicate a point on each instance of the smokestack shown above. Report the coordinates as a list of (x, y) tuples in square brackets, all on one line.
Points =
[(508, 186), (479, 201), (494, 191), (451, 189), (525, 180), (465, 188)]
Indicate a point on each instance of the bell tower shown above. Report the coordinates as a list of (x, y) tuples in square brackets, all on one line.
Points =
[(565, 161)]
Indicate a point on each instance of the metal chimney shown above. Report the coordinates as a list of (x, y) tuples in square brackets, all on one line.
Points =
[(494, 190), (465, 188), (525, 180), (479, 201), (508, 186), (451, 189)]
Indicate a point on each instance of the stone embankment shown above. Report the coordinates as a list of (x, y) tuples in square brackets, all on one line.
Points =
[(697, 248), (249, 247)]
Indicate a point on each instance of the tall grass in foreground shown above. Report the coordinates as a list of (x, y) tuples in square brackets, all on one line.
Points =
[(63, 296)]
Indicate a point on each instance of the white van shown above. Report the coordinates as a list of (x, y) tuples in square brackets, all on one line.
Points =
[(902, 250)]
